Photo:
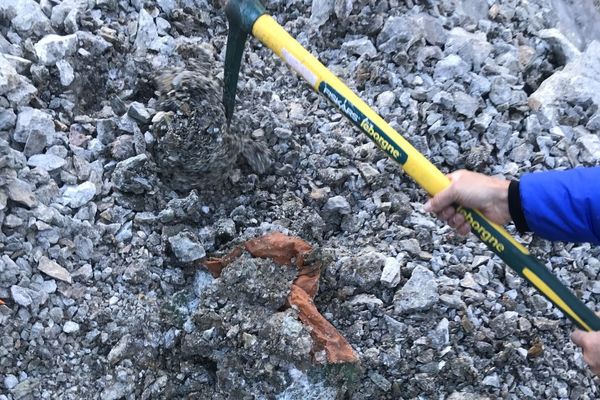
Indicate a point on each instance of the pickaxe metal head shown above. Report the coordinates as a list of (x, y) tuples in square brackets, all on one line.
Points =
[(241, 15)]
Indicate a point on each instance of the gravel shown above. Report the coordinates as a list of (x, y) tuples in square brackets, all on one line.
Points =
[(116, 188)]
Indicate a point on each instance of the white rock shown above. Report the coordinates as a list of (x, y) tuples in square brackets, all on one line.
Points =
[(66, 73), (77, 196), (70, 327), (390, 276), (321, 10), (54, 270), (20, 295), (9, 78), (53, 48), (47, 162)]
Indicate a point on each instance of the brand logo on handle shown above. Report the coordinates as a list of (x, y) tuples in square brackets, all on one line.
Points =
[(363, 122)]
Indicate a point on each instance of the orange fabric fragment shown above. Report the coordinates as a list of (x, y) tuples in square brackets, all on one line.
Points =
[(279, 247), (326, 336), (283, 250)]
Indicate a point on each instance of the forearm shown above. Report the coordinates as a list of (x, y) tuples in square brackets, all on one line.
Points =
[(559, 205)]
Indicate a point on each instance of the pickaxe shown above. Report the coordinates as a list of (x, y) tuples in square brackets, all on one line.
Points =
[(250, 17)]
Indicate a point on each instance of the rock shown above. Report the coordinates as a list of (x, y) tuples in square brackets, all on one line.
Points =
[(564, 50), (70, 327), (53, 48), (66, 73), (30, 121), (106, 130), (451, 67), (337, 204), (380, 381), (8, 118), (391, 274), (321, 10), (473, 48), (20, 192), (147, 33), (505, 324), (465, 104), (343, 8), (500, 92), (432, 29), (47, 162), (362, 271), (397, 34), (10, 381), (186, 247), (128, 175), (119, 351), (492, 380), (386, 99), (26, 16), (590, 144), (360, 46), (420, 293), (54, 270), (9, 78), (21, 295), (138, 112), (440, 336), (77, 196), (577, 82)]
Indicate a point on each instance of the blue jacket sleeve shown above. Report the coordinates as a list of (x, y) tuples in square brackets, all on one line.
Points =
[(563, 205)]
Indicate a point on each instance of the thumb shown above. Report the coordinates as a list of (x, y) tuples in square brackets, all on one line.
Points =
[(578, 337), (441, 200)]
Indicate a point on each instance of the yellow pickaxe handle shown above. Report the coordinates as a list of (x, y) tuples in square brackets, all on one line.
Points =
[(271, 34)]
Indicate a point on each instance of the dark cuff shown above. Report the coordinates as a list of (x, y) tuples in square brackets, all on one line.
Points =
[(515, 208)]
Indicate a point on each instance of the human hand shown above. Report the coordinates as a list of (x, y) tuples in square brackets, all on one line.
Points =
[(590, 345), (473, 190)]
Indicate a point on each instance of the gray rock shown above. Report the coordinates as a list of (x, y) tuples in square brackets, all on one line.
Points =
[(128, 175), (138, 112), (380, 381), (70, 327), (577, 82), (492, 380), (321, 10), (420, 293), (125, 233), (8, 118), (146, 34), (36, 143), (363, 271), (397, 34), (440, 336), (53, 48), (21, 295), (386, 99), (77, 196), (451, 67), (473, 48), (465, 104), (186, 247), (590, 145), (119, 351), (26, 16), (106, 130), (564, 50), (337, 204), (54, 270), (505, 324), (66, 72), (20, 192), (501, 92), (391, 274), (10, 381), (9, 78), (360, 46), (47, 162), (432, 29), (31, 120)]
